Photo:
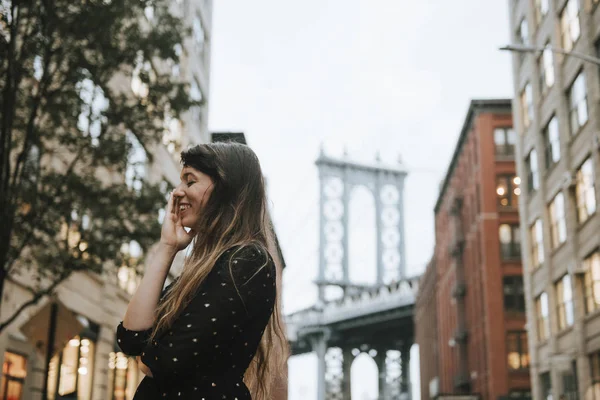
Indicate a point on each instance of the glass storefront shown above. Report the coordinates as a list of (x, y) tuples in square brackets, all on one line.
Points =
[(71, 371), (123, 376), (14, 371)]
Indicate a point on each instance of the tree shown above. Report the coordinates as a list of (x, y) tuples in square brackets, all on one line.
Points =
[(70, 196)]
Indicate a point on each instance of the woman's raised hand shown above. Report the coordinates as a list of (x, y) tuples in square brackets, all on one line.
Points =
[(173, 234)]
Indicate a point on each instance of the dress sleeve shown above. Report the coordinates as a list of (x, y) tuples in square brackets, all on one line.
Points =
[(240, 286), (132, 343)]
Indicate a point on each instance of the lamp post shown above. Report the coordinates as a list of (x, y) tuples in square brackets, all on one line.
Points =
[(540, 49)]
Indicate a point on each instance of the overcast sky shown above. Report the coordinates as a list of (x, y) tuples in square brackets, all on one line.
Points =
[(392, 76)]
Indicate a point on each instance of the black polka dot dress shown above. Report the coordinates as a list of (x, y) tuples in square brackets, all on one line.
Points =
[(207, 350)]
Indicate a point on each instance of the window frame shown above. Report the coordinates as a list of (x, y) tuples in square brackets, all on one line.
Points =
[(510, 251), (537, 243), (505, 150), (565, 311), (558, 222), (584, 193), (575, 109), (565, 20), (526, 99), (511, 186), (522, 350), (514, 285), (19, 380), (542, 320), (533, 171), (552, 145), (546, 69), (591, 282)]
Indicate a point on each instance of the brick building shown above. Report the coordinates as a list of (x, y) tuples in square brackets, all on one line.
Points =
[(480, 310), (426, 331)]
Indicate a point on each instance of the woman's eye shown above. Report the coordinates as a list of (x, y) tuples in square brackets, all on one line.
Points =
[(190, 183)]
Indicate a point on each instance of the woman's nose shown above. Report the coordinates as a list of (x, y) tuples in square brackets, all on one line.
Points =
[(179, 192)]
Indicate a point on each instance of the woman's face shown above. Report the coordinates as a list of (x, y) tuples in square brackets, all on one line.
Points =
[(191, 195)]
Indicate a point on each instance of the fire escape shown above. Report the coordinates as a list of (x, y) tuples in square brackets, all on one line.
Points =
[(462, 381)]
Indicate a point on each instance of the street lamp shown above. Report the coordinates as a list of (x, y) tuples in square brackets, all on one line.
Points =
[(539, 49)]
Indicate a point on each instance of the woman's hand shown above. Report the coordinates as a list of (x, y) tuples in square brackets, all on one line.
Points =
[(173, 234), (143, 367)]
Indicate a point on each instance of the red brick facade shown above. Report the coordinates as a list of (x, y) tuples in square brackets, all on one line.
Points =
[(426, 329), (472, 320)]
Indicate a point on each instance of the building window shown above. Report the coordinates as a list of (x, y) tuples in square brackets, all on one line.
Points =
[(558, 226), (128, 274), (578, 113), (123, 376), (564, 300), (14, 372), (542, 316), (523, 35), (585, 191), (514, 294), (527, 105), (595, 373), (510, 241), (505, 140), (546, 67), (591, 282), (533, 174), (508, 191), (552, 143), (570, 387), (546, 386), (70, 371), (518, 353), (537, 243), (137, 161), (541, 9), (198, 33), (569, 24)]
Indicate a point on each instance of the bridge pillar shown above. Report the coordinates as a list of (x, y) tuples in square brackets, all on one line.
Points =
[(381, 361), (405, 385), (347, 371), (319, 346)]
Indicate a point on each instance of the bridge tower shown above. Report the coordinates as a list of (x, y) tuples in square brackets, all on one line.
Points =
[(338, 177), (337, 348)]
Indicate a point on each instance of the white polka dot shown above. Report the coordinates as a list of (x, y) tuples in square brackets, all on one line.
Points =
[(207, 305), (189, 325), (213, 319), (175, 360)]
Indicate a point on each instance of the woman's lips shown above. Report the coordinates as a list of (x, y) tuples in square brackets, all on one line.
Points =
[(186, 207)]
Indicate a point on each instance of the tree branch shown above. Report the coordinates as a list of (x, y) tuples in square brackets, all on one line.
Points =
[(43, 84), (9, 261), (34, 300)]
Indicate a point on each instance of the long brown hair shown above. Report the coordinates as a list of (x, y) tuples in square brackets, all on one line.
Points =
[(234, 215)]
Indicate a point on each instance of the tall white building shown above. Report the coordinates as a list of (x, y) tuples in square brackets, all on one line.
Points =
[(557, 115)]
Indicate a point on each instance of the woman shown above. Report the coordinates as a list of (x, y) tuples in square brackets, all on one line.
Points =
[(215, 332)]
